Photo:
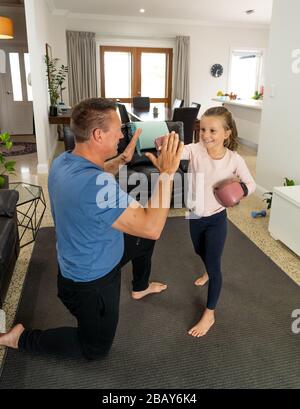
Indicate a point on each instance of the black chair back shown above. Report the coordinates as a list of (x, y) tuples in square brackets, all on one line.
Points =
[(188, 116), (196, 105), (123, 114), (178, 103), (141, 103)]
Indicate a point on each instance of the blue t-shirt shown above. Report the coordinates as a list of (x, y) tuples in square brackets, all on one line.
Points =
[(85, 202)]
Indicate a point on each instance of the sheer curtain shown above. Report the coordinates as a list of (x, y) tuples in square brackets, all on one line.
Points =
[(81, 48), (182, 69)]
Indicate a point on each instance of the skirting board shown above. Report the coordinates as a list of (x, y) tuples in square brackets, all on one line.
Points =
[(248, 143)]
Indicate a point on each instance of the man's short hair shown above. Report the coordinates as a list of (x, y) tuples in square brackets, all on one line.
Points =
[(91, 114)]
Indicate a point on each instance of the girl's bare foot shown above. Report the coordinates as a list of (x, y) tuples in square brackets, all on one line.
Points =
[(11, 338), (203, 326), (153, 288), (202, 280)]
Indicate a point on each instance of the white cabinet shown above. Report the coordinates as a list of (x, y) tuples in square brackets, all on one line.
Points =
[(285, 216)]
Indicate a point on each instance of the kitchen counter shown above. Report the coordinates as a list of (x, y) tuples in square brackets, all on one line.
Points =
[(247, 115), (247, 103)]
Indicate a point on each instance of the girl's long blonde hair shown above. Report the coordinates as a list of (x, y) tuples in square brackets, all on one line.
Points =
[(229, 124)]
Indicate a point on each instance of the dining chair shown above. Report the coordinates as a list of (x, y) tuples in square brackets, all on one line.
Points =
[(141, 103), (188, 116), (123, 114), (178, 103)]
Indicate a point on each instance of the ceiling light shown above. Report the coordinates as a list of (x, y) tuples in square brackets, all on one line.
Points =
[(250, 11), (6, 28), (142, 10)]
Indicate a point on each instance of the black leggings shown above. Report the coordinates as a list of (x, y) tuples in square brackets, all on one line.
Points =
[(208, 236), (95, 305)]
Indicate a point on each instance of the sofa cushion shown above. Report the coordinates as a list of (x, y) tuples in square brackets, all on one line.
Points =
[(151, 130), (8, 201)]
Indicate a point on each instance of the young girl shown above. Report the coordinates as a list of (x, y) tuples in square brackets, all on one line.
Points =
[(214, 156)]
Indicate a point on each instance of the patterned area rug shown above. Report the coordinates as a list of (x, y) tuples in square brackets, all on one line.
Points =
[(20, 148)]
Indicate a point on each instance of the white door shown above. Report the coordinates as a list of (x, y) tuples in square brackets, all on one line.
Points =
[(17, 112)]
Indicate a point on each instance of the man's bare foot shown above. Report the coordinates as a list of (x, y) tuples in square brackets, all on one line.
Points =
[(11, 338), (153, 288), (203, 326), (201, 281)]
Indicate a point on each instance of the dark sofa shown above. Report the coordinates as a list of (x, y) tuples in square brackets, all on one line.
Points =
[(9, 239)]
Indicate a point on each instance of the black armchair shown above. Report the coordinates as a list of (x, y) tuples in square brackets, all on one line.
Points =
[(141, 164), (9, 239)]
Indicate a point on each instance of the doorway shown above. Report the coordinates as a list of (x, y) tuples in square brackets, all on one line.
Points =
[(16, 115)]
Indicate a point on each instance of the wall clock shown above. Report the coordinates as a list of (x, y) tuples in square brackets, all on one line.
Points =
[(216, 70)]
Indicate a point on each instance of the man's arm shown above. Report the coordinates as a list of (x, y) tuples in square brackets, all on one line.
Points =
[(113, 165), (149, 222)]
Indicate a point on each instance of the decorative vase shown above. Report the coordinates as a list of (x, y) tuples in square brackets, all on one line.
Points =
[(5, 184), (53, 110)]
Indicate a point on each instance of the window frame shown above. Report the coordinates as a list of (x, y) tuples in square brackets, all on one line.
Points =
[(250, 50), (136, 53)]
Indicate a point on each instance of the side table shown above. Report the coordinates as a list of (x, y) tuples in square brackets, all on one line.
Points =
[(31, 208)]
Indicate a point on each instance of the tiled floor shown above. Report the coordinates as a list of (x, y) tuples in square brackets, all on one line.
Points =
[(255, 229)]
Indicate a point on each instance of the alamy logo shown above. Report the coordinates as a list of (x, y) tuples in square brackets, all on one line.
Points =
[(296, 61), (189, 190), (296, 323)]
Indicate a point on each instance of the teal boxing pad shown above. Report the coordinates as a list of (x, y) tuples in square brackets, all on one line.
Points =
[(150, 131)]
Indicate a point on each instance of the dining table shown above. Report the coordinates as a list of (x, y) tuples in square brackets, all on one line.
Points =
[(159, 114)]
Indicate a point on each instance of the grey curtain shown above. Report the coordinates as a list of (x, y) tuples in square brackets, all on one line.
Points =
[(81, 48), (182, 69)]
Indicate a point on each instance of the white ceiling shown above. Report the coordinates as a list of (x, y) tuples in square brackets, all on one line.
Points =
[(218, 11)]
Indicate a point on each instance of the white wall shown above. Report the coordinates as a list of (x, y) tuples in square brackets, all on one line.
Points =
[(208, 46), (279, 147), (43, 28)]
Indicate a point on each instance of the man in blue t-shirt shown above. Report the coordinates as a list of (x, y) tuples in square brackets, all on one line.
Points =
[(91, 214)]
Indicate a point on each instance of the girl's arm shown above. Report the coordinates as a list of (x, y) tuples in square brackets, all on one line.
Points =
[(245, 176)]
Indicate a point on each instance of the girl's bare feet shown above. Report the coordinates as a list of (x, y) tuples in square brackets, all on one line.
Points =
[(11, 338), (203, 326), (153, 288), (202, 280)]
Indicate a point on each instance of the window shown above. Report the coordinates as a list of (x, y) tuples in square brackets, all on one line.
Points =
[(132, 71), (246, 74), (16, 76)]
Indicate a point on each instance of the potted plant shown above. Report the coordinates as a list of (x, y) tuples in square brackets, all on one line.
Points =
[(56, 79), (268, 200), (6, 167)]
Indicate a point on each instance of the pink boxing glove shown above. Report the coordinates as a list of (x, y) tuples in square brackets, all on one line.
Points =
[(230, 192), (159, 142)]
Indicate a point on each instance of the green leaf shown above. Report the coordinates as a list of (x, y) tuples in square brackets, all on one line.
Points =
[(2, 181)]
